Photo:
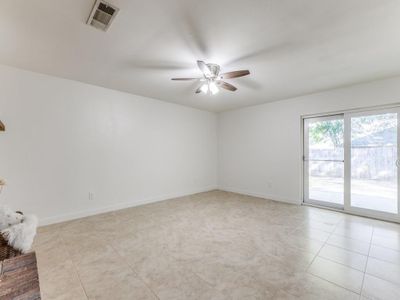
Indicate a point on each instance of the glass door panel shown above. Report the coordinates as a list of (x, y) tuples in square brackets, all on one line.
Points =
[(324, 161), (326, 182), (351, 162), (373, 158)]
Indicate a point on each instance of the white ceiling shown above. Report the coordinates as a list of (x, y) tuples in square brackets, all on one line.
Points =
[(291, 47)]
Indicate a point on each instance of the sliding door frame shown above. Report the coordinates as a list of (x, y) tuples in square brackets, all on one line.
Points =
[(347, 171)]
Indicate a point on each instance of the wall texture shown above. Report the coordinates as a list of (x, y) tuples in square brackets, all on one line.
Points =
[(65, 139), (260, 146)]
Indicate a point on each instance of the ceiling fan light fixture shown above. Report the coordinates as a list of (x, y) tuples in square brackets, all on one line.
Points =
[(204, 88), (213, 88), (213, 80)]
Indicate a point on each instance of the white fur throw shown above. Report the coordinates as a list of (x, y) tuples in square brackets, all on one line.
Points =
[(8, 217), (20, 236)]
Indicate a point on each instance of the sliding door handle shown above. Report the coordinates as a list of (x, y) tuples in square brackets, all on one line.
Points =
[(398, 163)]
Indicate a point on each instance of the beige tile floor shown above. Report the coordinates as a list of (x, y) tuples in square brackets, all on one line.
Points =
[(220, 245)]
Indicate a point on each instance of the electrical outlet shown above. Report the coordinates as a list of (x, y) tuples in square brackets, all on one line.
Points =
[(91, 196)]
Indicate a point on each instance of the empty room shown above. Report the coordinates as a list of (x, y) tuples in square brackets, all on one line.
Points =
[(186, 149)]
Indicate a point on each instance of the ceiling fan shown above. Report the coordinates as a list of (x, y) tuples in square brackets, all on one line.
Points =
[(213, 80)]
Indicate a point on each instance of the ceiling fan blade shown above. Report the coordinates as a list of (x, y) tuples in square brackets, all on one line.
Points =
[(227, 86), (198, 91), (235, 74), (185, 78), (204, 68)]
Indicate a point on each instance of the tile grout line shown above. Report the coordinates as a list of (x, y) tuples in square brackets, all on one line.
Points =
[(385, 247), (381, 278), (133, 270), (317, 255), (179, 263), (323, 245), (349, 238), (347, 289), (342, 264), (75, 267), (350, 250), (366, 265)]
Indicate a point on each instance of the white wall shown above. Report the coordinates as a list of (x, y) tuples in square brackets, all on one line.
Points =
[(260, 146), (65, 139)]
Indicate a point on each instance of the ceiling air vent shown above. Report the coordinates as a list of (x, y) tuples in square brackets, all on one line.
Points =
[(103, 13)]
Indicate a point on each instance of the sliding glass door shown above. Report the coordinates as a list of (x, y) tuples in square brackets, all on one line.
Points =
[(372, 168), (324, 161), (351, 162)]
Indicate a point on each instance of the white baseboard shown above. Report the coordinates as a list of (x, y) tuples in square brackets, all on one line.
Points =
[(260, 195), (96, 211)]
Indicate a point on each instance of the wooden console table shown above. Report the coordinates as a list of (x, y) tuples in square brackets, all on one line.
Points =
[(19, 278)]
